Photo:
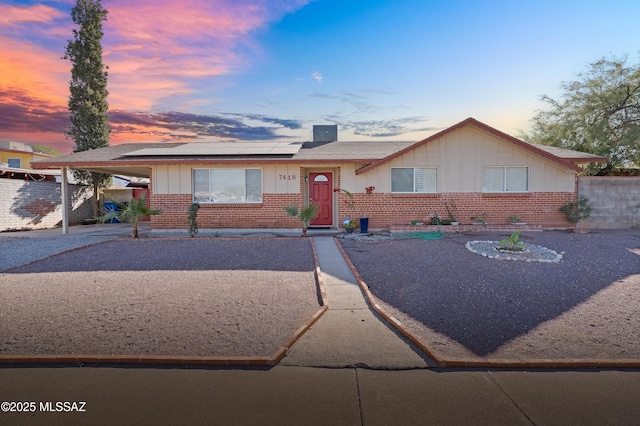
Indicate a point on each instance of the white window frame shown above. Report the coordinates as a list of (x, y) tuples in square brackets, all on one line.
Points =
[(244, 198), (415, 191), (504, 179)]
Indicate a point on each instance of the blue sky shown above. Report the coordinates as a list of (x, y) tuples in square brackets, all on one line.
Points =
[(269, 70)]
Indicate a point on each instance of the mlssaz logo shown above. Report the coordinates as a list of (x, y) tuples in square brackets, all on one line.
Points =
[(63, 406)]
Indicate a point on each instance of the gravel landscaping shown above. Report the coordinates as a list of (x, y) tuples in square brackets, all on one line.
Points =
[(179, 297), (461, 304), (20, 250)]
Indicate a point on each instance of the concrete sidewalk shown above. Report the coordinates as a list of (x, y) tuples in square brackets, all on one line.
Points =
[(396, 388), (349, 334), (320, 396)]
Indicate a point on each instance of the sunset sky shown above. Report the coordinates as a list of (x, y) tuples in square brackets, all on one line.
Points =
[(268, 70)]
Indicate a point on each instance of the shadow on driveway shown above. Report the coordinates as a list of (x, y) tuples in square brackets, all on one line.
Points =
[(282, 254), (484, 303), (207, 298)]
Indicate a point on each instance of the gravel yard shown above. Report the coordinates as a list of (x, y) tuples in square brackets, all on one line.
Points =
[(16, 251), (180, 297), (461, 304)]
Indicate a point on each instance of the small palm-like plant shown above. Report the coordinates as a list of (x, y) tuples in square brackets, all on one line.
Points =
[(192, 217), (512, 243), (304, 214), (133, 212)]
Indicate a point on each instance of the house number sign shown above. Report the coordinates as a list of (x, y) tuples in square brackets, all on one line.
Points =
[(287, 177)]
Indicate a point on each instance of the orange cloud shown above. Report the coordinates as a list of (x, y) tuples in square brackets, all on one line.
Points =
[(17, 14), (36, 70), (153, 48), (156, 51)]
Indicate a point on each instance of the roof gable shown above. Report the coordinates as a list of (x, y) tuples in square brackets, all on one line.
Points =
[(568, 162)]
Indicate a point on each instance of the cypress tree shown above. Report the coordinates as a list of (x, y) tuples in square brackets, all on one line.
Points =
[(88, 86)]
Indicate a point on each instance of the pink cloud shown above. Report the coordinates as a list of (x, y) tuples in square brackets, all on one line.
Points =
[(39, 71), (10, 15), (156, 50), (162, 22)]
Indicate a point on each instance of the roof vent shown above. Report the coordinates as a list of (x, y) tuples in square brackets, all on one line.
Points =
[(325, 133)]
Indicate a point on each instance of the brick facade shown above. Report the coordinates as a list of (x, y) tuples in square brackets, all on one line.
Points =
[(268, 214), (383, 210)]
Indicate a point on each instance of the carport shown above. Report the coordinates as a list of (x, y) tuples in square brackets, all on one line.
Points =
[(109, 160)]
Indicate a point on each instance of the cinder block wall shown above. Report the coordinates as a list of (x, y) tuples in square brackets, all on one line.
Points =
[(615, 201), (36, 205)]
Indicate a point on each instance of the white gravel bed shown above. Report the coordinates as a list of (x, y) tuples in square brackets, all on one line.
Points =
[(531, 252)]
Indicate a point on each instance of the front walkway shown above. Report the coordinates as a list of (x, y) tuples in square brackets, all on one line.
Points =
[(349, 334)]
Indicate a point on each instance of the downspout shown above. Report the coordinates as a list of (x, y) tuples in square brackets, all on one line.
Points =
[(65, 208)]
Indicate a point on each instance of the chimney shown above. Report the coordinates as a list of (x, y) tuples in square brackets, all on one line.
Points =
[(325, 133)]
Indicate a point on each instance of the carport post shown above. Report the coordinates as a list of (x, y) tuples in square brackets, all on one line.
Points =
[(64, 191)]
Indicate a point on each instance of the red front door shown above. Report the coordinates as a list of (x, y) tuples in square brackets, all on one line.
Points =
[(321, 194)]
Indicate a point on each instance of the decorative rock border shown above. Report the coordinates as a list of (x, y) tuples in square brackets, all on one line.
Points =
[(533, 253)]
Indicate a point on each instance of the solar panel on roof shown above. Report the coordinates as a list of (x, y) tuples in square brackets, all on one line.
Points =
[(222, 148)]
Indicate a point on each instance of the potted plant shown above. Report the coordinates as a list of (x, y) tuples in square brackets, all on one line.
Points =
[(479, 219), (364, 221), (450, 207), (577, 210), (515, 220), (349, 225)]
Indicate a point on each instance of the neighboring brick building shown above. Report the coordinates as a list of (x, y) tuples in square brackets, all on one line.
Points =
[(476, 170)]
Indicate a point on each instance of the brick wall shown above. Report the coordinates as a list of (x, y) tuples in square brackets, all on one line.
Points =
[(382, 209), (615, 201), (541, 208), (34, 205), (269, 214)]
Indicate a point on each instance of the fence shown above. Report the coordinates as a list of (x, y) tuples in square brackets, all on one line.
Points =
[(615, 201), (34, 205)]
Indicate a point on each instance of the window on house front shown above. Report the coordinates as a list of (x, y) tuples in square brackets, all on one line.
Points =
[(15, 163), (227, 186), (414, 179), (505, 179)]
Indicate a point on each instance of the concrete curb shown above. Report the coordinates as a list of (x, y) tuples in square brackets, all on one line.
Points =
[(269, 361), (480, 361)]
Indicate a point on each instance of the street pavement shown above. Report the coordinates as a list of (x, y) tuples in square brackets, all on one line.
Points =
[(350, 368)]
